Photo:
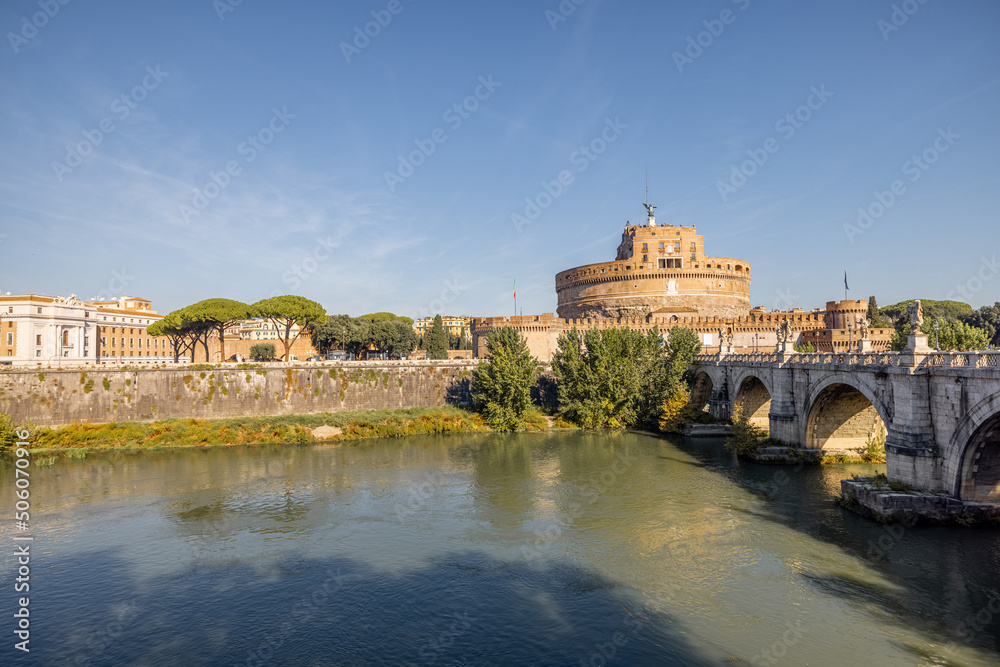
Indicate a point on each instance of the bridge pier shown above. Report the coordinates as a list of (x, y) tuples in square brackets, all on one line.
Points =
[(719, 406), (940, 412), (912, 455)]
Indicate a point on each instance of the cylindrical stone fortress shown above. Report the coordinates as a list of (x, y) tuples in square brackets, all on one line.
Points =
[(660, 270)]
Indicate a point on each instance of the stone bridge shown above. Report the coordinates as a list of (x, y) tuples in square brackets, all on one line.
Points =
[(940, 411)]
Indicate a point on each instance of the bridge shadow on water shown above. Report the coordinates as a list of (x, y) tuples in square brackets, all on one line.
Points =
[(462, 609), (906, 574)]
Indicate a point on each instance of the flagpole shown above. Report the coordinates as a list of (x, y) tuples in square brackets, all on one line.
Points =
[(515, 297)]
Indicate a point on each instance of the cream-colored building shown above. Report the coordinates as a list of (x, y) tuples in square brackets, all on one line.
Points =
[(452, 324), (43, 329), (123, 336), (264, 330), (36, 329)]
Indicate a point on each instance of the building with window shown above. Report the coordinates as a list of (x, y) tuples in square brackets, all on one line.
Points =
[(42, 329), (659, 271), (452, 324), (123, 336), (36, 329), (263, 330)]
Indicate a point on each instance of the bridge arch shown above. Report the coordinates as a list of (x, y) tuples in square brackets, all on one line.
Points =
[(753, 396), (842, 414), (973, 447), (701, 389), (979, 475)]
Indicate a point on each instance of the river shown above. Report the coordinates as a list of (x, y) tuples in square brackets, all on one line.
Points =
[(557, 548)]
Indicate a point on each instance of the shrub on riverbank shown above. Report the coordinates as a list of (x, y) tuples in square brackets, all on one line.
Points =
[(285, 429), (8, 433), (620, 378), (747, 438), (501, 385)]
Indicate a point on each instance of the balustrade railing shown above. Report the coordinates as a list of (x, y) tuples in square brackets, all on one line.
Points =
[(933, 359)]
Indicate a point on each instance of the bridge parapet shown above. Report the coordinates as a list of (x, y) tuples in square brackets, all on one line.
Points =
[(971, 360), (939, 410)]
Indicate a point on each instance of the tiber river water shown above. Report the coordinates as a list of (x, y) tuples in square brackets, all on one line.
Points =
[(564, 548)]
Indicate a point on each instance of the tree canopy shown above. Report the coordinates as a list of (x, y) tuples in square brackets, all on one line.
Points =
[(287, 312), (217, 315), (394, 336), (436, 340), (501, 385), (620, 377)]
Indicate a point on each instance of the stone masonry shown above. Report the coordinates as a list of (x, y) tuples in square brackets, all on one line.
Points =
[(60, 397)]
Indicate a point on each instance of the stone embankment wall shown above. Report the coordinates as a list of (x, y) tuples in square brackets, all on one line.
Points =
[(100, 395)]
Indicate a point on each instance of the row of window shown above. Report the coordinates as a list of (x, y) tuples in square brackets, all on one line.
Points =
[(677, 246), (151, 343), (86, 313)]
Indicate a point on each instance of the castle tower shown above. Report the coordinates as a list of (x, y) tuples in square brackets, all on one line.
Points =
[(660, 270)]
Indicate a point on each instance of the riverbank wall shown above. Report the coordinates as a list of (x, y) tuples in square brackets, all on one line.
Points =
[(57, 397)]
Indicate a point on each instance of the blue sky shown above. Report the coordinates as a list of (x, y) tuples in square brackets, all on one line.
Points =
[(174, 202)]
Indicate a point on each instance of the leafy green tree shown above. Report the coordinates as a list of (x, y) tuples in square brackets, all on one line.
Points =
[(286, 312), (196, 330), (359, 337), (747, 438), (945, 310), (501, 385), (987, 318), (958, 335), (677, 410), (172, 327), (217, 315), (386, 317), (804, 347), (952, 335), (331, 334), (681, 347), (437, 340), (405, 340), (263, 352), (619, 377)]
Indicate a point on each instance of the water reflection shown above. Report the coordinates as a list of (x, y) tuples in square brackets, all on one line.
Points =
[(532, 548)]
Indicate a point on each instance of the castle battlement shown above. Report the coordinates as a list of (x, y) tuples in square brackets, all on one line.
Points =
[(658, 269)]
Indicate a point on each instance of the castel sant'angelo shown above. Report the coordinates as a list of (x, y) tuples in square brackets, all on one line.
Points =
[(662, 277)]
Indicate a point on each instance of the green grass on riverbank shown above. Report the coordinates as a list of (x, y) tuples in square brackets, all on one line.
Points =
[(284, 429)]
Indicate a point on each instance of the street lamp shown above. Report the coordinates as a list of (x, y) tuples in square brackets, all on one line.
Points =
[(937, 328)]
